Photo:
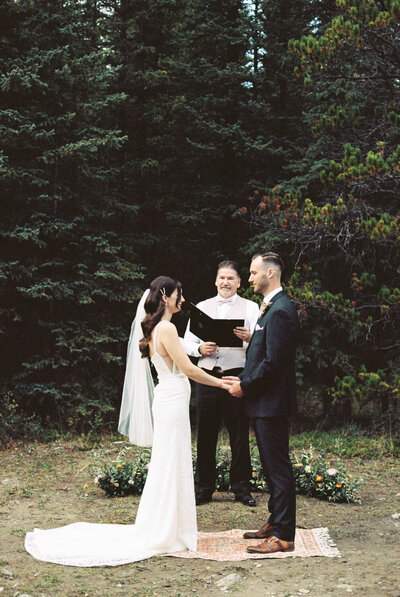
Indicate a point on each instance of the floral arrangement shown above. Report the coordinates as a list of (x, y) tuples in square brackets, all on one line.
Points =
[(316, 478), (223, 463), (257, 482), (119, 477), (313, 474)]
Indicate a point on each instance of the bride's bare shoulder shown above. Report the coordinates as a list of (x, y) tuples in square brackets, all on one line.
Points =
[(166, 327)]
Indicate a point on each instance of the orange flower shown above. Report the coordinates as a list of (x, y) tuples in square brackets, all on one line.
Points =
[(116, 484), (319, 478), (119, 465), (338, 485)]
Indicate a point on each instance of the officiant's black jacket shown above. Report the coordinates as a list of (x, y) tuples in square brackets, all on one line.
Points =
[(268, 379)]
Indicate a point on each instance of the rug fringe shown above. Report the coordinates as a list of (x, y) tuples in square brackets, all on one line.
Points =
[(326, 544)]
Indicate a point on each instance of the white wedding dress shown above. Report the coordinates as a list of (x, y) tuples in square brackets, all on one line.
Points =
[(166, 517)]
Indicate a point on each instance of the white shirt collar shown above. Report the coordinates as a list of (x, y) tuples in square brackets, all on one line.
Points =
[(270, 295), (234, 297)]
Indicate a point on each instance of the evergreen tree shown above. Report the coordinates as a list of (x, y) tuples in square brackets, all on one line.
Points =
[(215, 139), (278, 101), (338, 215), (191, 140), (69, 269)]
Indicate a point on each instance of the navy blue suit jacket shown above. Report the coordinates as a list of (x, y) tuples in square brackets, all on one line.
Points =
[(268, 379)]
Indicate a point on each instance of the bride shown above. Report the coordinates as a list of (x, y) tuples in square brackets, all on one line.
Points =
[(166, 517)]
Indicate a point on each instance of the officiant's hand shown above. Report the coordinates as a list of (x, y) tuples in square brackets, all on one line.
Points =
[(208, 348), (243, 333)]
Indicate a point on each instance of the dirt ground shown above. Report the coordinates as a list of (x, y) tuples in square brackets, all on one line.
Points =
[(47, 485)]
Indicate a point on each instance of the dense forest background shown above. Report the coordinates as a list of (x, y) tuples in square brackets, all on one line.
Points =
[(141, 137)]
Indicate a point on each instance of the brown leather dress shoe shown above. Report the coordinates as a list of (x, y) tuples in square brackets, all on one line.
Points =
[(272, 545), (262, 533)]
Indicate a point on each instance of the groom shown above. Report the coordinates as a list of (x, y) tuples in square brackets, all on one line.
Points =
[(268, 385)]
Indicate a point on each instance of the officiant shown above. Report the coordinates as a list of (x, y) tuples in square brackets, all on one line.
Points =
[(215, 406)]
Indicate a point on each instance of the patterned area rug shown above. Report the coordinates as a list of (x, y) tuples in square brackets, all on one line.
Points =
[(229, 546)]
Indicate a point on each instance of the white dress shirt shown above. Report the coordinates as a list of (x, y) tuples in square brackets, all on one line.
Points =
[(270, 295)]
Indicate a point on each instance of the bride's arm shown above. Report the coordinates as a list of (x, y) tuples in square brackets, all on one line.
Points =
[(168, 337)]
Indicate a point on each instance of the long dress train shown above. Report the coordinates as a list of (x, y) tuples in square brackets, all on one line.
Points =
[(166, 517)]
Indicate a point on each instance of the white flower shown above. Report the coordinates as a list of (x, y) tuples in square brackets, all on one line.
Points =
[(130, 482), (307, 468), (331, 472), (96, 480)]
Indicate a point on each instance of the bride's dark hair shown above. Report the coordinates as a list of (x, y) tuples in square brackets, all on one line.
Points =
[(155, 307)]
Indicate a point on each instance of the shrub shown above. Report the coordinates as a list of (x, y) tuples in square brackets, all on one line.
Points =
[(15, 423), (119, 478), (313, 473), (315, 477)]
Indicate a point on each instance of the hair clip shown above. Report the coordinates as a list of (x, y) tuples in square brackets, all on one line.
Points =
[(162, 290)]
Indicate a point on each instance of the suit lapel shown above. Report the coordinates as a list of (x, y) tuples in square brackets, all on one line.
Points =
[(270, 304), (263, 318)]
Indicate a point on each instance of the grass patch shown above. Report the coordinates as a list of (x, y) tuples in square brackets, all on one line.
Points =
[(49, 580), (349, 442), (55, 503)]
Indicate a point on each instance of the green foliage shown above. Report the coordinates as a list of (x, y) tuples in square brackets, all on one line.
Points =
[(131, 146), (313, 475), (223, 465), (349, 442), (120, 478), (334, 215), (315, 478), (69, 273), (223, 462), (16, 424)]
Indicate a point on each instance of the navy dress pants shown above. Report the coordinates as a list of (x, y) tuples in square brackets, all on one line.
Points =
[(272, 435)]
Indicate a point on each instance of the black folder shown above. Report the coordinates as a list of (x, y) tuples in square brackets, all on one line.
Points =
[(219, 331)]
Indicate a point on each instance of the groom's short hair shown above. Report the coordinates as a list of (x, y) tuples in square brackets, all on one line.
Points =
[(230, 264), (271, 259)]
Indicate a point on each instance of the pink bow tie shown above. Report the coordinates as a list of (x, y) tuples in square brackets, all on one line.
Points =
[(222, 301)]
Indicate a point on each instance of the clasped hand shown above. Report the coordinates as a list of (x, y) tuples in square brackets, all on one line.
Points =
[(234, 386)]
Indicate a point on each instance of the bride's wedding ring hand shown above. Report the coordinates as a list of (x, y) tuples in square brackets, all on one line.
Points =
[(243, 334), (230, 379), (224, 385)]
